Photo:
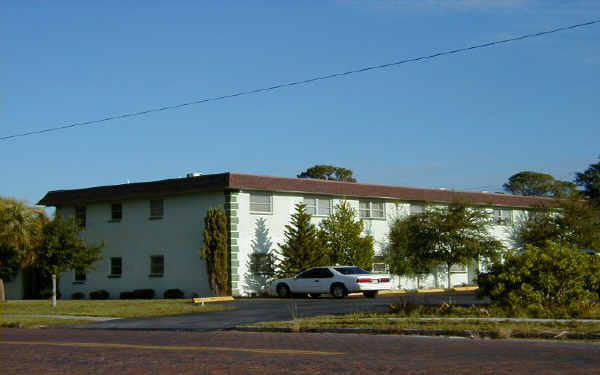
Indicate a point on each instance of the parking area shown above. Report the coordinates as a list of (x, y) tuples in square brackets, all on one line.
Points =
[(247, 311)]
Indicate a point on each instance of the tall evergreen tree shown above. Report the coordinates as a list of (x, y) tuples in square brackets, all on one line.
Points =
[(341, 233), (261, 265), (302, 248), (590, 180), (215, 250)]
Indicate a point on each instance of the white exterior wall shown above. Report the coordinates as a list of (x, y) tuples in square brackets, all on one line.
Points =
[(284, 207), (177, 236)]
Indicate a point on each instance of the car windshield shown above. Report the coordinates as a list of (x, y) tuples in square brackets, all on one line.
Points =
[(350, 270)]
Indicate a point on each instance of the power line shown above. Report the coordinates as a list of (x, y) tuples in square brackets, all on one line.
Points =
[(297, 83)]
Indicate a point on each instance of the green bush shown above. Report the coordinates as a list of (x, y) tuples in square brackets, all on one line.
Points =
[(173, 293), (553, 280), (78, 295), (99, 294), (138, 294)]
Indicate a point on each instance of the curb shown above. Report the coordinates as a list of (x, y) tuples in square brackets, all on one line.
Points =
[(212, 299), (471, 334), (435, 290)]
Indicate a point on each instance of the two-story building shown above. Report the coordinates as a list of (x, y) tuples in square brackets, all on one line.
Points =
[(153, 231)]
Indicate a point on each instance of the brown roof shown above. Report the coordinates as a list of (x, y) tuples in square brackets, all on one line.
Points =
[(233, 181)]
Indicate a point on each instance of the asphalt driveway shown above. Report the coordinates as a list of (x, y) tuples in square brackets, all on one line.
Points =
[(247, 311)]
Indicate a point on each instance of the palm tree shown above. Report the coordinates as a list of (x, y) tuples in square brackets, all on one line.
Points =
[(20, 231)]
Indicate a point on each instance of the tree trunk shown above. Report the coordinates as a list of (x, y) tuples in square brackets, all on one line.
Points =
[(449, 277), (53, 290), (2, 291)]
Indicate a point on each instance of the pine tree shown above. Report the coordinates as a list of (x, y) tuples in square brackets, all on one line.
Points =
[(260, 266), (341, 233), (215, 250), (302, 248)]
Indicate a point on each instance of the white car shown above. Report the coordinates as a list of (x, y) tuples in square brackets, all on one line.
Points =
[(336, 280)]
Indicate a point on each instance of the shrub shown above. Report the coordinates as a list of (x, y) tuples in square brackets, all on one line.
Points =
[(143, 294), (126, 295), (173, 293), (99, 294), (78, 295), (549, 280)]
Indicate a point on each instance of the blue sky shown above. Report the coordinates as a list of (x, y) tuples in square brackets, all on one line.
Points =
[(465, 121)]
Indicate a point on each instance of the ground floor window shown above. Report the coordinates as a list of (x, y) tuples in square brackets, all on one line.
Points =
[(80, 276), (116, 266), (157, 265)]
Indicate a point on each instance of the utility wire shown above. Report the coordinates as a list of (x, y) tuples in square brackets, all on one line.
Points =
[(297, 83)]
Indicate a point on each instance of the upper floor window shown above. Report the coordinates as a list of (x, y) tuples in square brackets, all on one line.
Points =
[(116, 211), (371, 209), (261, 202), (503, 216), (156, 208), (80, 214), (318, 206), (417, 208)]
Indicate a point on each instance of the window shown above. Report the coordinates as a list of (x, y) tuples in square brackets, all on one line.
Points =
[(80, 216), (416, 208), (318, 206), (316, 273), (80, 275), (261, 202), (116, 211), (156, 208), (261, 264), (116, 267), (458, 268), (157, 265), (379, 268), (502, 216), (371, 209)]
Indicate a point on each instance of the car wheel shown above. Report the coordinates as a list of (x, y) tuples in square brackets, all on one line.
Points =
[(338, 291), (314, 295), (370, 294), (283, 291)]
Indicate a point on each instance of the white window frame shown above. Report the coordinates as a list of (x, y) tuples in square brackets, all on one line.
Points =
[(502, 216), (412, 209), (153, 215), (110, 269), (262, 193), (371, 210), (458, 268), (317, 205)]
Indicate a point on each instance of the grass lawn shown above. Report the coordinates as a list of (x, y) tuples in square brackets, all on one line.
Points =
[(505, 329), (31, 322), (110, 307)]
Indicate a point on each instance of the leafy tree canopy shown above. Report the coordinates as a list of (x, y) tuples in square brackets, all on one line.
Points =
[(543, 279), (20, 231), (302, 247), (575, 224), (539, 184), (61, 249), (590, 180), (341, 233), (455, 234), (328, 172)]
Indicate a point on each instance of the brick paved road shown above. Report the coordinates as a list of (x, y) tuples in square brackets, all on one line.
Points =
[(161, 352)]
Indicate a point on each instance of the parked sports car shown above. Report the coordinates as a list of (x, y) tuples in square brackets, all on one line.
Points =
[(336, 280)]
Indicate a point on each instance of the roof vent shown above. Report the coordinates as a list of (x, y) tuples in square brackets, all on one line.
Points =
[(193, 174)]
